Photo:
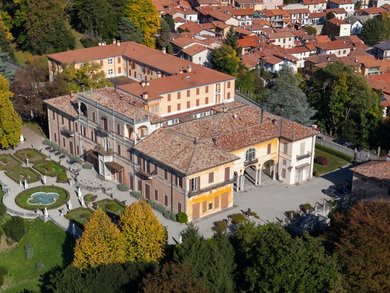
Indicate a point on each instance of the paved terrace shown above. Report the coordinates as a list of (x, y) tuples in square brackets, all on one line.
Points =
[(269, 201)]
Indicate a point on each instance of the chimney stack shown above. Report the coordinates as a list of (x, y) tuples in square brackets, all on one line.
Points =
[(189, 68), (145, 95), (118, 43), (143, 83), (114, 41), (147, 83), (164, 50)]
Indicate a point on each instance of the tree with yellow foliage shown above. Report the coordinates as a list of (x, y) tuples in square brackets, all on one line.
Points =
[(101, 243), (145, 17), (10, 122), (144, 235)]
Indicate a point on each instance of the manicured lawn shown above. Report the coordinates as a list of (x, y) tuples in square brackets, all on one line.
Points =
[(32, 155), (111, 205), (20, 173), (50, 168), (51, 247), (21, 198), (34, 126), (7, 162), (80, 216), (334, 162), (88, 198)]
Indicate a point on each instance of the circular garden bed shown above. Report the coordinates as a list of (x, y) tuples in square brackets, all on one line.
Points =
[(39, 197)]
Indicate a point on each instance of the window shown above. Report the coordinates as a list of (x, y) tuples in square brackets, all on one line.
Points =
[(179, 207), (110, 60), (62, 119), (302, 148), (216, 202), (119, 70), (188, 104), (118, 128), (169, 109), (197, 91), (119, 149), (169, 97), (178, 95), (166, 200), (197, 102), (206, 100), (228, 85), (165, 174), (110, 72), (210, 205), (204, 206), (227, 173), (283, 173), (285, 148), (54, 115), (93, 117), (211, 177), (178, 107), (284, 162), (92, 135), (188, 93), (156, 195), (250, 154), (55, 137), (119, 59), (195, 184), (147, 191), (207, 89), (269, 147), (228, 95)]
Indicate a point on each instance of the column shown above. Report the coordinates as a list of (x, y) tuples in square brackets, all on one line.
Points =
[(237, 182), (257, 178), (242, 182), (260, 176), (274, 172)]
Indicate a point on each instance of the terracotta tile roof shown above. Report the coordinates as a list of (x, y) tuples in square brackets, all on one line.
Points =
[(336, 21), (323, 39), (195, 49), (249, 41), (179, 19), (341, 2), (250, 60), (309, 2), (298, 11), (318, 59), (376, 170), (220, 24), (181, 152), (281, 34), (243, 31), (334, 45), (297, 50), (177, 82), (386, 7), (381, 82), (272, 60), (261, 22), (317, 15), (64, 104), (274, 12), (336, 10), (191, 27), (372, 10)]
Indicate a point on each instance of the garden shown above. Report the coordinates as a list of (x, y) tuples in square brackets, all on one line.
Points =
[(110, 206), (79, 216), (327, 160), (15, 171), (42, 196), (32, 155), (51, 169)]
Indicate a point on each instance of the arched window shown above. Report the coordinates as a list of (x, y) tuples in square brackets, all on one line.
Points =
[(250, 154), (129, 131), (83, 109), (142, 131)]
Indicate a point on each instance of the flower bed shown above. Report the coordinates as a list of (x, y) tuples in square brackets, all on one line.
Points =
[(23, 197)]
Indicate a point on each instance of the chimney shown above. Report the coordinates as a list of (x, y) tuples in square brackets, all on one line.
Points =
[(118, 43), (274, 122), (147, 83), (143, 83), (145, 95), (181, 70), (159, 75), (164, 50), (189, 68), (114, 41), (235, 116), (100, 44), (104, 43)]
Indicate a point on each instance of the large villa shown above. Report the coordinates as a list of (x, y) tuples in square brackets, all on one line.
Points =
[(174, 133)]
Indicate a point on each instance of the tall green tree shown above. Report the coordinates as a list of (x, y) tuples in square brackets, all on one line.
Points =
[(144, 235), (376, 29), (285, 98), (361, 238), (231, 39), (10, 122), (97, 18), (164, 38), (210, 260), (225, 59), (127, 31), (101, 243), (145, 16), (173, 278), (270, 260), (346, 105)]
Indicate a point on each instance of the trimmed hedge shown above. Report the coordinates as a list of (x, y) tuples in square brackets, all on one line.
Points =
[(220, 227), (15, 229), (122, 187), (334, 152), (136, 194), (321, 161), (182, 218)]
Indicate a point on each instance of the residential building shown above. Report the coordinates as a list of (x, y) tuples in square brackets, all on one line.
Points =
[(299, 14), (284, 39), (315, 5), (336, 28), (382, 50), (278, 18), (348, 5), (371, 180), (339, 48)]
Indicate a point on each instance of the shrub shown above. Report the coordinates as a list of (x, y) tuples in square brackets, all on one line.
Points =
[(316, 173), (136, 194), (3, 272), (306, 207), (291, 214), (29, 251), (122, 187), (62, 178), (74, 159), (158, 207), (321, 161), (15, 228), (182, 217), (87, 166), (237, 218), (89, 197), (220, 226), (3, 209)]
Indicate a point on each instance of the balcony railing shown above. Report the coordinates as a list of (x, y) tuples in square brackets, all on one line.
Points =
[(101, 131), (252, 161), (66, 132), (301, 157), (146, 174), (210, 187)]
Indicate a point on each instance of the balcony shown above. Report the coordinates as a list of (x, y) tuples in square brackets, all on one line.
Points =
[(250, 162), (301, 157), (102, 132), (66, 132), (210, 187)]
